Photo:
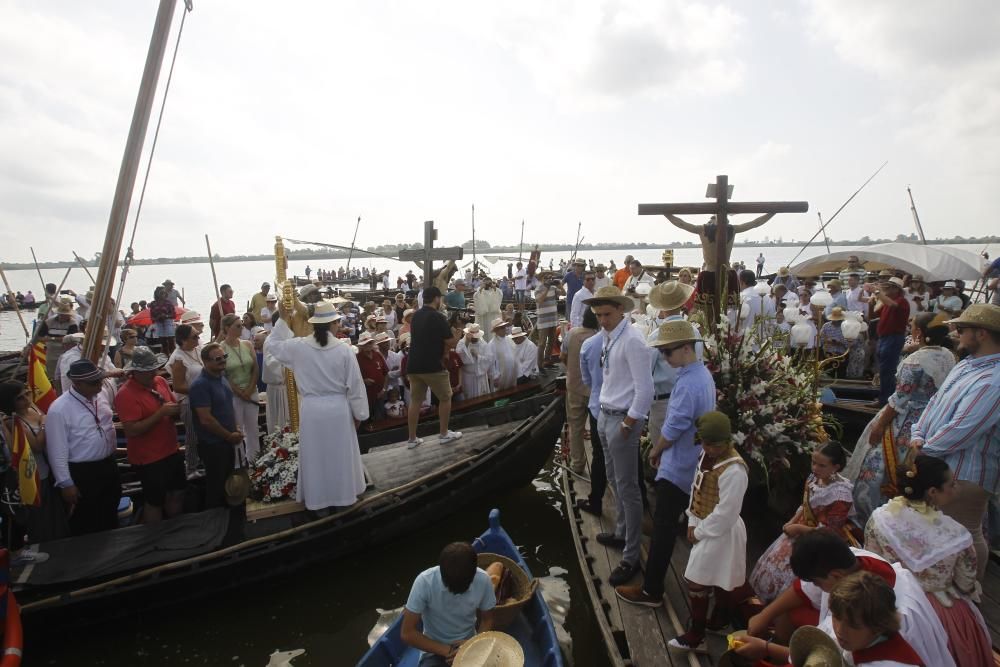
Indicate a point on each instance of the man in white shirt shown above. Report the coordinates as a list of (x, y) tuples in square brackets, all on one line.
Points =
[(626, 394), (638, 276), (750, 302), (526, 354), (80, 443), (856, 298), (505, 367), (600, 279), (520, 284), (582, 294)]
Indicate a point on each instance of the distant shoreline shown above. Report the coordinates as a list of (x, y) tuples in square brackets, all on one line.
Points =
[(491, 250)]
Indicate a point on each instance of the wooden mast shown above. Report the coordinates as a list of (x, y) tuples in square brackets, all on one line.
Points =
[(126, 181)]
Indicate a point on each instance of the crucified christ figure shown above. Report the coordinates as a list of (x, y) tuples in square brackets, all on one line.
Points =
[(707, 234)]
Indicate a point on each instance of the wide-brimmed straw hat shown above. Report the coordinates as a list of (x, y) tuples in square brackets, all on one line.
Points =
[(191, 317), (497, 323), (84, 370), (473, 328), (610, 294), (517, 332), (836, 314), (981, 316), (325, 312), (834, 283), (271, 296), (307, 290), (783, 271), (64, 308), (675, 332), (144, 359), (898, 282), (383, 337), (366, 338), (670, 295), (811, 647), (490, 649)]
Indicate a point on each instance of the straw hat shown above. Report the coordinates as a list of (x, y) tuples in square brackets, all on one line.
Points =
[(836, 314), (811, 647), (517, 332), (885, 273), (271, 297), (497, 323), (949, 285), (670, 295), (339, 300), (324, 312), (64, 308), (383, 337), (73, 338), (579, 262), (834, 283), (144, 360), (307, 290), (237, 486), (610, 294), (366, 338), (191, 317), (473, 328), (674, 332), (783, 272), (490, 649), (981, 316), (898, 282), (404, 339)]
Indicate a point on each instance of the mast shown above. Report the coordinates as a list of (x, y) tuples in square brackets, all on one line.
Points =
[(520, 246), (126, 180), (822, 228), (576, 248), (351, 253), (916, 218)]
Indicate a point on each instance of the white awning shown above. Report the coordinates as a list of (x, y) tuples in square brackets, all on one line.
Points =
[(934, 262)]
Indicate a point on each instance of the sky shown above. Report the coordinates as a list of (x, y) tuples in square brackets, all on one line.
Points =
[(296, 118)]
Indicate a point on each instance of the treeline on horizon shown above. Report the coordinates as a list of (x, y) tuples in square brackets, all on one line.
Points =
[(484, 247)]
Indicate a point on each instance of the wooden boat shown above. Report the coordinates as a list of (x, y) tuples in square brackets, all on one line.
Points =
[(201, 554), (302, 281), (532, 628)]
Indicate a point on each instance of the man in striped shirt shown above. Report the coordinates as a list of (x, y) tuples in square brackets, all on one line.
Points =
[(961, 423)]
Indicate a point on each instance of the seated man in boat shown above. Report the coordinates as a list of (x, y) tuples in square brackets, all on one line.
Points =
[(454, 600), (821, 559)]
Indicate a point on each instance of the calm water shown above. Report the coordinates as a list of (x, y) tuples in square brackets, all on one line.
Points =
[(195, 280), (328, 610)]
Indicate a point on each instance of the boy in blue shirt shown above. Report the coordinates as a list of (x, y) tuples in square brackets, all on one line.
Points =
[(449, 598)]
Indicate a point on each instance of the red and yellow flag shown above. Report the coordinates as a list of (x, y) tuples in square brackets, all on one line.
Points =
[(28, 481), (42, 393)]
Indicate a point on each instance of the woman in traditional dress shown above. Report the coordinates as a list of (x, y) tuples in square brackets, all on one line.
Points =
[(826, 504), (477, 362), (885, 440), (242, 372), (938, 550), (333, 403)]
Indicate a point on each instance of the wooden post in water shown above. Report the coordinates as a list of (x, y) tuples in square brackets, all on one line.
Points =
[(126, 180)]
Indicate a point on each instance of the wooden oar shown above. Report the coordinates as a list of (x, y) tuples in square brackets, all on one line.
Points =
[(84, 265), (215, 281)]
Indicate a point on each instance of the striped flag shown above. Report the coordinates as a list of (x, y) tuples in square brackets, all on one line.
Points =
[(28, 481), (42, 393)]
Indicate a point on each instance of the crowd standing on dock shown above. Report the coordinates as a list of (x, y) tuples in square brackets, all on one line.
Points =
[(634, 360)]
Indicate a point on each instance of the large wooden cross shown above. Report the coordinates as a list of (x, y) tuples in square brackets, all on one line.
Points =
[(429, 253), (722, 208)]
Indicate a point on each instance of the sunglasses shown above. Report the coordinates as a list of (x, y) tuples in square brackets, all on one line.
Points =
[(218, 359)]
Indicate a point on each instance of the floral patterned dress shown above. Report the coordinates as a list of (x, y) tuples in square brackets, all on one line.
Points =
[(917, 379), (939, 552), (823, 506)]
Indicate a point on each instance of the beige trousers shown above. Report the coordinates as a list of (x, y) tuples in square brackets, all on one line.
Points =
[(577, 416), (968, 507)]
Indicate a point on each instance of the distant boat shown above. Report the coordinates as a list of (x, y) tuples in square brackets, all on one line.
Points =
[(532, 627)]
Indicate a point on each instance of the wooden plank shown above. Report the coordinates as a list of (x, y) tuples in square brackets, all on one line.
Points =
[(257, 510), (990, 603)]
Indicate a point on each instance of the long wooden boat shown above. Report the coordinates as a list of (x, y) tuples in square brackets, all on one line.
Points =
[(91, 578), (532, 628)]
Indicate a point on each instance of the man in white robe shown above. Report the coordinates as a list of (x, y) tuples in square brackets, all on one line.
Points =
[(526, 354), (504, 360), (477, 362), (487, 300)]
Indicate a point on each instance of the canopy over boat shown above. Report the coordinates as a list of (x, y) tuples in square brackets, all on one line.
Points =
[(933, 262)]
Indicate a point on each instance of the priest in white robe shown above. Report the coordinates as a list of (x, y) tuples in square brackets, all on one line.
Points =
[(332, 403), (487, 300), (504, 359), (526, 354), (477, 362)]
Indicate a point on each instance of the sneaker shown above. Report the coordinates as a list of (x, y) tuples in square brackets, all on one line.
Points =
[(411, 444), (27, 556), (584, 505), (611, 540), (689, 642), (635, 595), (623, 574), (450, 436)]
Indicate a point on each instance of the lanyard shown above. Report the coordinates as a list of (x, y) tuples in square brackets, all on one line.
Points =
[(92, 409), (606, 351)]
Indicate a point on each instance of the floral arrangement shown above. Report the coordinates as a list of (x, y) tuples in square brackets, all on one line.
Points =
[(769, 395), (274, 475)]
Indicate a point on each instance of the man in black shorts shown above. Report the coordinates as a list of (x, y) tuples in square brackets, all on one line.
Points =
[(149, 411), (430, 334)]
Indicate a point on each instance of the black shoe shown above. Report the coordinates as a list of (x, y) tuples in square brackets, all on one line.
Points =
[(610, 540), (623, 574), (583, 504)]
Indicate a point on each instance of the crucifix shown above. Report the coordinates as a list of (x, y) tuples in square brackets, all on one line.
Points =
[(717, 238), (424, 258)]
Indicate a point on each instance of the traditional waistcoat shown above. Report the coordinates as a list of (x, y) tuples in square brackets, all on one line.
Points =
[(705, 494)]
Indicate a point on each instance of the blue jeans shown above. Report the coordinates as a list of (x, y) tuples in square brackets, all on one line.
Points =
[(889, 349), (621, 459)]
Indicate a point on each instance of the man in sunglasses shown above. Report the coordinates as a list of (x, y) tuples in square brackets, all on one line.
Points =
[(80, 439)]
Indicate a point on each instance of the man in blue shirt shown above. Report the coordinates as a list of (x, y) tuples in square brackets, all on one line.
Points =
[(590, 374), (573, 281), (448, 599), (214, 423), (675, 454)]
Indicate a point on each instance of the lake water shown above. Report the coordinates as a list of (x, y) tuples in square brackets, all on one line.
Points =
[(195, 280)]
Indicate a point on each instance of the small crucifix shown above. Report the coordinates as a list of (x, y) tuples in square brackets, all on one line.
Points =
[(718, 235), (424, 258)]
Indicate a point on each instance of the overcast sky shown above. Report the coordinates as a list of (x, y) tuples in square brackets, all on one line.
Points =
[(295, 118)]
